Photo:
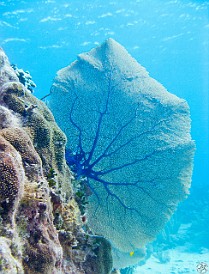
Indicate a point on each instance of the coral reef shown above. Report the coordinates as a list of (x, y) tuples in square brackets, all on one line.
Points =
[(24, 78), (41, 227)]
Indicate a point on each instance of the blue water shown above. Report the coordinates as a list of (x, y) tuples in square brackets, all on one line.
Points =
[(169, 38)]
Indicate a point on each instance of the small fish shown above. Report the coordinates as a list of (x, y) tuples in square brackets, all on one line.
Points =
[(131, 253)]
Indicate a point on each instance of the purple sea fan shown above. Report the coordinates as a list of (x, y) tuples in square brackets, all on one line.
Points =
[(130, 139)]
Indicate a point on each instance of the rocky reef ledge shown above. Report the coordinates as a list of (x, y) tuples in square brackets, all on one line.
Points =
[(41, 227)]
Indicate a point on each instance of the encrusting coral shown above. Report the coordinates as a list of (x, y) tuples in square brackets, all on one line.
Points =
[(41, 228), (11, 177)]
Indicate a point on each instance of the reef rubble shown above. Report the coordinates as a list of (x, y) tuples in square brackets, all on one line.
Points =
[(41, 227)]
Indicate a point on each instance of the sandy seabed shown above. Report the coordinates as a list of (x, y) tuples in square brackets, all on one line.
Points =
[(179, 263)]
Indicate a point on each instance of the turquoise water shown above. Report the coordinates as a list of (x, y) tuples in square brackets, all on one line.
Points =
[(169, 38)]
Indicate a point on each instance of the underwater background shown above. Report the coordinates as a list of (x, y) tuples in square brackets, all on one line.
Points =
[(170, 39)]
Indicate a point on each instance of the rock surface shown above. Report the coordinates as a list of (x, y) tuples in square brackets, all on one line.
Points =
[(40, 222), (128, 142)]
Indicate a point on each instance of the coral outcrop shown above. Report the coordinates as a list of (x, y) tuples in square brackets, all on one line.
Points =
[(41, 229)]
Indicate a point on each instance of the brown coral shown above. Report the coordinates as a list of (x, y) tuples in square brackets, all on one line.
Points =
[(11, 179), (22, 143), (48, 139)]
